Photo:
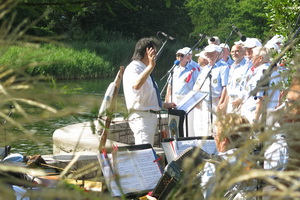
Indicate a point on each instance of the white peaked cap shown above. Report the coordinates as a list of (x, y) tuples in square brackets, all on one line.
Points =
[(182, 51), (201, 54), (272, 45), (223, 45), (188, 49), (252, 42), (277, 38), (212, 48)]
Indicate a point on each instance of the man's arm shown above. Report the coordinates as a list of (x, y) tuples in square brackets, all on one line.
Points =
[(258, 109), (146, 73), (169, 105), (223, 106), (168, 94), (223, 95), (222, 102), (236, 103), (224, 81)]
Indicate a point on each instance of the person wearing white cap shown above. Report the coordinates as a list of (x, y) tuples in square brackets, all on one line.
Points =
[(237, 73), (183, 78), (195, 70), (216, 83), (252, 103), (202, 59), (182, 82), (190, 57), (226, 54), (272, 46), (277, 39), (275, 43), (249, 44), (240, 42)]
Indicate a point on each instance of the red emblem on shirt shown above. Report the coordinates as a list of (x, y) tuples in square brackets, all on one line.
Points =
[(189, 77)]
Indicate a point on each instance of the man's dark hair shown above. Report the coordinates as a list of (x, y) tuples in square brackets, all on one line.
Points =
[(141, 45)]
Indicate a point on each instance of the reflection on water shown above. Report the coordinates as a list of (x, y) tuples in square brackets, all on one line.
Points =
[(41, 140)]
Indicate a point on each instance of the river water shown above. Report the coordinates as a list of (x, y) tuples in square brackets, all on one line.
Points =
[(41, 141)]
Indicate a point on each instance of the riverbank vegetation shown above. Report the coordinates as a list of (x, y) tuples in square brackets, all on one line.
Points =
[(100, 36), (61, 62), (77, 60)]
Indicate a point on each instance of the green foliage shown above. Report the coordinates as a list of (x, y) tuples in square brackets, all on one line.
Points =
[(134, 19), (109, 29), (58, 61), (249, 16), (282, 15), (214, 18)]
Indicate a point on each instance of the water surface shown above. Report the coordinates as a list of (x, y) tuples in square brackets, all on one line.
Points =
[(41, 140)]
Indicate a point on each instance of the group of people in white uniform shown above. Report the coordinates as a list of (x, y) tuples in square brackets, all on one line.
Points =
[(229, 77)]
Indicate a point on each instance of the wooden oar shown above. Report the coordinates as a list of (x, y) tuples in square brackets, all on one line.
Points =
[(108, 105)]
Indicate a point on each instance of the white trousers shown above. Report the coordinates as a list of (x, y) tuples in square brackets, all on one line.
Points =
[(202, 118), (249, 114), (143, 126)]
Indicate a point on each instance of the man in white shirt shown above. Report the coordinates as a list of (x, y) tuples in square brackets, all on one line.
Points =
[(141, 93), (202, 59), (190, 57), (249, 44), (226, 54), (182, 82), (214, 85), (252, 101), (237, 74), (183, 77)]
